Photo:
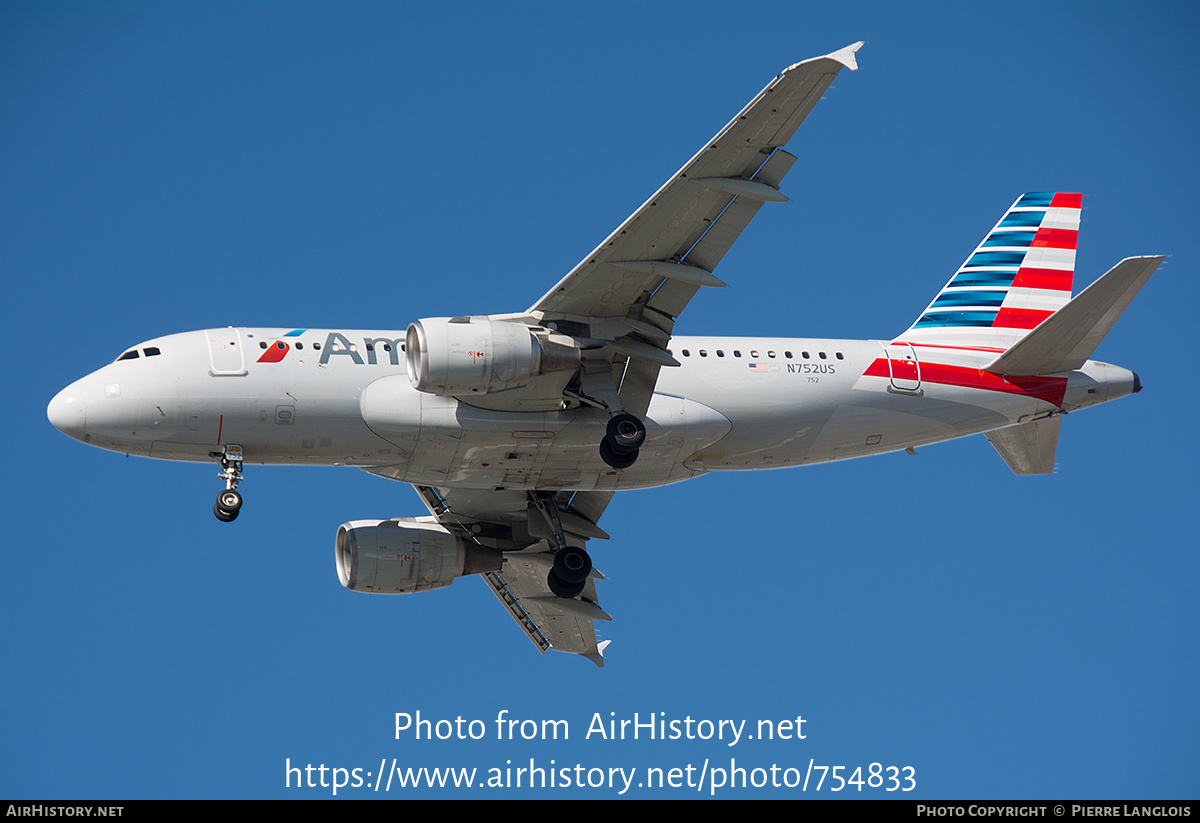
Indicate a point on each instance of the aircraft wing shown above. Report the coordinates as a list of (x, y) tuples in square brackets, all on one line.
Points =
[(503, 520), (619, 306), (626, 294)]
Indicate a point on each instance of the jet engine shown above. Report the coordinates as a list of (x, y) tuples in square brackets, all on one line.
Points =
[(406, 555), (476, 355)]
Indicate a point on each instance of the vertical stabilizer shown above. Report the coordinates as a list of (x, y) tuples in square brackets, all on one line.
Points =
[(1018, 276)]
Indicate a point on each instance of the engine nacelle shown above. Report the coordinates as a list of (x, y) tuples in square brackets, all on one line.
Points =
[(476, 355), (406, 555)]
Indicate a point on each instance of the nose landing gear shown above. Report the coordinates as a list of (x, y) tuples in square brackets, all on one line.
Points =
[(229, 502)]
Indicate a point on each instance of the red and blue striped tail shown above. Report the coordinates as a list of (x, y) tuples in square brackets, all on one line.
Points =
[(1018, 276)]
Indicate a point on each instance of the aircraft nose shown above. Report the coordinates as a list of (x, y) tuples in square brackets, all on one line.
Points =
[(68, 412)]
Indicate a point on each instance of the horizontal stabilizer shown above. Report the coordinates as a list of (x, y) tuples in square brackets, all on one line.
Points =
[(1028, 448), (1066, 339)]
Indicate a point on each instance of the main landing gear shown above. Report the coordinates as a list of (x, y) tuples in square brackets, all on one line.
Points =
[(622, 440), (625, 433), (229, 502), (572, 564)]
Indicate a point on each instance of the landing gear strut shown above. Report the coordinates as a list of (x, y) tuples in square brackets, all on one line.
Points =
[(229, 502), (622, 440), (572, 565)]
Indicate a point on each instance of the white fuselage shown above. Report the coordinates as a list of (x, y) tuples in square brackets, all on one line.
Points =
[(343, 398)]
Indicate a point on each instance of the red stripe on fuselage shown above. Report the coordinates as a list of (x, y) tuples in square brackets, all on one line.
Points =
[(1050, 389), (943, 346)]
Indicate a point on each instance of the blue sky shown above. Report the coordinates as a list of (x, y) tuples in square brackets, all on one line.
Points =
[(181, 166)]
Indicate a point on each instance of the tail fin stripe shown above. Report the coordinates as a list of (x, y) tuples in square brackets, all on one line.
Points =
[(1057, 218), (1054, 279), (1036, 198), (1011, 239), (1055, 238), (955, 318), (1023, 219), (1008, 318), (1067, 200), (995, 258), (983, 277), (1048, 258), (1050, 299), (955, 299)]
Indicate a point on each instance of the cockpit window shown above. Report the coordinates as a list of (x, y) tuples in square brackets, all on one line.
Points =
[(129, 355), (151, 351)]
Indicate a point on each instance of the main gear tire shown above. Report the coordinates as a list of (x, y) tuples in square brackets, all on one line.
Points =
[(625, 433), (572, 565), (561, 588), (617, 461)]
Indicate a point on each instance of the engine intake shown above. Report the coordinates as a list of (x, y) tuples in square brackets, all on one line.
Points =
[(477, 355), (406, 555)]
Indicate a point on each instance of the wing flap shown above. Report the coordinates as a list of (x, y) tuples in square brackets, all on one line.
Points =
[(513, 604)]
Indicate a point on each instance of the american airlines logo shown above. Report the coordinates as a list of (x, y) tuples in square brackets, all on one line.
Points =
[(338, 345)]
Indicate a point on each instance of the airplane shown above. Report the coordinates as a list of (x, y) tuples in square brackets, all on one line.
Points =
[(517, 429)]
